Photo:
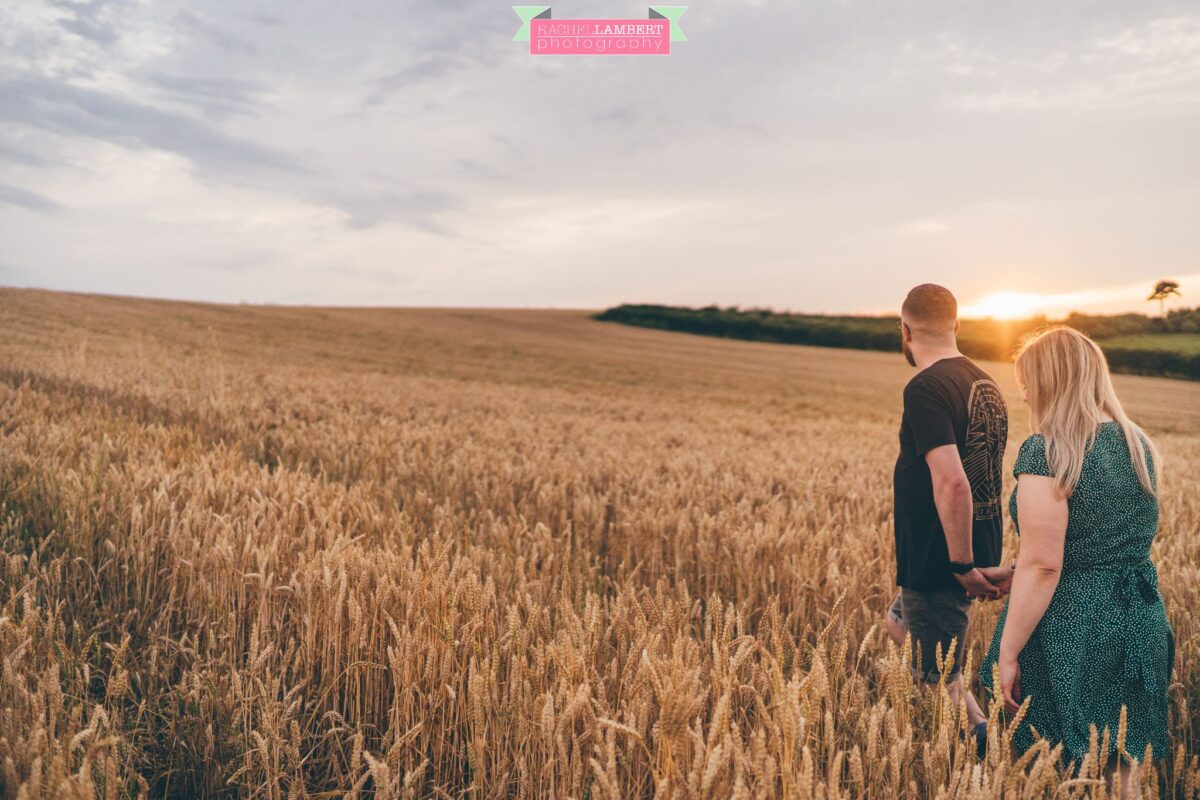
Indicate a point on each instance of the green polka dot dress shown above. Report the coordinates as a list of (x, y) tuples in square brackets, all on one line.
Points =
[(1104, 640)]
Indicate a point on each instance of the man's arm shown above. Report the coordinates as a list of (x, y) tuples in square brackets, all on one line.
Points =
[(952, 496)]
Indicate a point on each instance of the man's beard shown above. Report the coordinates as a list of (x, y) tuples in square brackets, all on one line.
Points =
[(908, 356)]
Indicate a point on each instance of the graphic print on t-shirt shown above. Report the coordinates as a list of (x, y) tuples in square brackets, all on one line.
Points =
[(987, 432)]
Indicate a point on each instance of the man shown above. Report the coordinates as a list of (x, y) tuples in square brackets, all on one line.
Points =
[(947, 485)]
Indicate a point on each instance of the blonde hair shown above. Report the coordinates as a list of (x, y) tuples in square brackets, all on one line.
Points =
[(1069, 391)]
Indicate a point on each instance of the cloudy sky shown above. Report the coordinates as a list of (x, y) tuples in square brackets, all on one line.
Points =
[(809, 155)]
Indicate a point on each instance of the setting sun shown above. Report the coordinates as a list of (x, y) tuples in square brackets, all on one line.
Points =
[(1006, 305)]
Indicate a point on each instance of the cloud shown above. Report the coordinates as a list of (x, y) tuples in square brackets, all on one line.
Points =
[(215, 97), (477, 170), (23, 157), (218, 35), (618, 115), (419, 208), (23, 198), (1148, 63), (86, 19), (423, 70), (73, 110)]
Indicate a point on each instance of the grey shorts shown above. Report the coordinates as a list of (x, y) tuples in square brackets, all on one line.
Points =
[(933, 618)]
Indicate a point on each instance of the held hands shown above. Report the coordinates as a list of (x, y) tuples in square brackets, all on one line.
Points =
[(1001, 577), (978, 586), (988, 583)]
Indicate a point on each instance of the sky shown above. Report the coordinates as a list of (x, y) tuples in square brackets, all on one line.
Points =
[(807, 156)]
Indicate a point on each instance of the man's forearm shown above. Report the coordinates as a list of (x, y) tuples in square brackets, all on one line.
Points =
[(955, 509)]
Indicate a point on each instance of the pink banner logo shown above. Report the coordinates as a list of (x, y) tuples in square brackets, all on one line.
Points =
[(600, 37)]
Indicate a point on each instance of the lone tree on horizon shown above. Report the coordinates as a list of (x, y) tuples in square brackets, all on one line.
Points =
[(1163, 290)]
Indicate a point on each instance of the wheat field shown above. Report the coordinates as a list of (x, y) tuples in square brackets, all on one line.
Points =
[(310, 552)]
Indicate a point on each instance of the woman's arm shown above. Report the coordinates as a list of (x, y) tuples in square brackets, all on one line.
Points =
[(1043, 516)]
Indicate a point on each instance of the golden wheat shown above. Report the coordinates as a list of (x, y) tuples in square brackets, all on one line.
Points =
[(281, 552)]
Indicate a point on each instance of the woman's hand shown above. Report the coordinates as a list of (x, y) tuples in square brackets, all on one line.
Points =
[(977, 586), (1001, 577), (1010, 684)]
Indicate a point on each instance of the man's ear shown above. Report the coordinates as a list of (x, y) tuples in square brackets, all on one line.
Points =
[(956, 327)]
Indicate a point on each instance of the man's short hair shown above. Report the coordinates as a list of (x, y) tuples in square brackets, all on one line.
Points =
[(930, 307)]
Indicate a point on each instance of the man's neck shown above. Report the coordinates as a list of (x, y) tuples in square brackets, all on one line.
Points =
[(931, 354)]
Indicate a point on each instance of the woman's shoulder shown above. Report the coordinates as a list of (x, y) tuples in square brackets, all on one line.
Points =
[(1031, 457), (1033, 445)]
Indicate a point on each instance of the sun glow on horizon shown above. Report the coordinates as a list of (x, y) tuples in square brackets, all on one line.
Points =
[(1006, 305)]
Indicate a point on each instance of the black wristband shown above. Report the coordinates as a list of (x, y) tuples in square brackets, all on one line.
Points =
[(959, 568)]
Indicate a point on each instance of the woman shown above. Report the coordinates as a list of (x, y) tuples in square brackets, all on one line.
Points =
[(1084, 631)]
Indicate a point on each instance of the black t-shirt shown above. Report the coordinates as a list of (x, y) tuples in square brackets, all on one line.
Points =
[(952, 401)]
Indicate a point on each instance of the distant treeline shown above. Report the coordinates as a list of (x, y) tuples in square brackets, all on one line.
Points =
[(978, 338)]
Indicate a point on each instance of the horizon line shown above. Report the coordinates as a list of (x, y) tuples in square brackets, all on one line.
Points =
[(738, 307)]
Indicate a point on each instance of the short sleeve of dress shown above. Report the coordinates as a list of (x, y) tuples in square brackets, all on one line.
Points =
[(1031, 458)]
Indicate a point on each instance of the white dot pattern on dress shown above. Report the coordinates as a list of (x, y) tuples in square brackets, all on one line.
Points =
[(1104, 640)]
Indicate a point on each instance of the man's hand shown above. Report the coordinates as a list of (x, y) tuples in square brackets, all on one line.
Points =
[(1001, 577), (978, 586)]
